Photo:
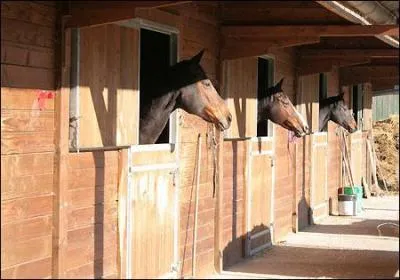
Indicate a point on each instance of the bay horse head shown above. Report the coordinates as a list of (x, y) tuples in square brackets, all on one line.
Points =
[(334, 109), (198, 95), (184, 85), (276, 106)]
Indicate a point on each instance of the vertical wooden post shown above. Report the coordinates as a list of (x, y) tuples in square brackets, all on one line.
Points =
[(61, 161), (218, 243), (123, 200)]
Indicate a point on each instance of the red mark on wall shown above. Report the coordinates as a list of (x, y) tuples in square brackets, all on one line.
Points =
[(42, 96)]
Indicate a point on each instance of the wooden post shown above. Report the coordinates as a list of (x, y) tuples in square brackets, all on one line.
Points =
[(61, 162), (122, 211), (196, 206), (218, 255)]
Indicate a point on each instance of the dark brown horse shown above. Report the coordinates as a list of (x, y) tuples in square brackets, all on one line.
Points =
[(184, 85), (334, 109), (276, 106)]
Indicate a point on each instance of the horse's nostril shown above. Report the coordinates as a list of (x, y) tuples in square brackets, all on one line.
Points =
[(229, 118)]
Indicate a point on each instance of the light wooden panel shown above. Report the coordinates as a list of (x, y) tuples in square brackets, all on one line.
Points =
[(142, 158), (108, 86), (240, 93), (309, 105), (356, 156), (259, 194), (260, 198), (233, 207), (367, 106), (152, 224), (319, 175)]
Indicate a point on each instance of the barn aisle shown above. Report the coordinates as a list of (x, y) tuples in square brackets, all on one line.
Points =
[(337, 247)]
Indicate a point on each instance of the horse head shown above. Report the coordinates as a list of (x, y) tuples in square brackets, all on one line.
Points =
[(341, 115), (276, 106), (197, 94)]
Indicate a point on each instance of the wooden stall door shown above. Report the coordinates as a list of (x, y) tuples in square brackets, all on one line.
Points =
[(152, 212), (319, 174), (104, 87), (356, 156), (259, 196), (240, 92)]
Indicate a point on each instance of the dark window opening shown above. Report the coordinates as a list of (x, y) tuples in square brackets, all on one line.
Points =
[(355, 103), (265, 80), (323, 90), (155, 55)]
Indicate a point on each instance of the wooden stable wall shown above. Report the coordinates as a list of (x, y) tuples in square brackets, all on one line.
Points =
[(28, 66), (91, 245), (234, 225), (334, 152), (198, 28), (285, 63)]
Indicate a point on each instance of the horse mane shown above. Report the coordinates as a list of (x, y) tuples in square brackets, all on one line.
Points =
[(173, 78), (330, 100)]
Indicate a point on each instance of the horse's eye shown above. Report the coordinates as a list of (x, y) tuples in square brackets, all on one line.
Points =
[(207, 83)]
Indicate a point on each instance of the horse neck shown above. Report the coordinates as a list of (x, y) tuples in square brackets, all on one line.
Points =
[(155, 116), (324, 116), (261, 108)]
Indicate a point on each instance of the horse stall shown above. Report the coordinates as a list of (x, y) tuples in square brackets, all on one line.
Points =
[(83, 197), (156, 194)]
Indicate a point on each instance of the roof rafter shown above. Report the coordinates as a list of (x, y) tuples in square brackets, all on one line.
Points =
[(338, 53), (87, 13), (308, 30)]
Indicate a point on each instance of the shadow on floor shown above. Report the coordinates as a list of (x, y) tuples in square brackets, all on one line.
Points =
[(358, 227), (317, 262)]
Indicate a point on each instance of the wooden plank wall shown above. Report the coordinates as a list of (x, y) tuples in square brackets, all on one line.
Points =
[(234, 227), (284, 152), (91, 250), (153, 220), (307, 104), (240, 93), (28, 47), (198, 27), (334, 152), (108, 83)]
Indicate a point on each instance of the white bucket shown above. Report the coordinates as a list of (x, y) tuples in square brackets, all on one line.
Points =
[(346, 204)]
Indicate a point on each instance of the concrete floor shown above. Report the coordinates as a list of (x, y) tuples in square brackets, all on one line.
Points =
[(337, 247)]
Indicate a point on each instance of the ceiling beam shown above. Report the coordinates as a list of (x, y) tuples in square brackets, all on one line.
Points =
[(321, 53), (314, 66), (384, 84), (308, 30), (361, 74), (91, 13), (234, 48)]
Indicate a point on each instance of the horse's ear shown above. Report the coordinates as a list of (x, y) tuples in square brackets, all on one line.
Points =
[(197, 57), (341, 95), (279, 85)]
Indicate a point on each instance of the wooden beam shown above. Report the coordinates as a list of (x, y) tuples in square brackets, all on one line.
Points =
[(384, 84), (308, 30), (314, 66), (378, 53), (95, 13), (355, 75), (60, 211), (234, 48)]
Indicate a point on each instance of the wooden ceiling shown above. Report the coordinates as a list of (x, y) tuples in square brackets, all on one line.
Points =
[(251, 28), (276, 13), (322, 39)]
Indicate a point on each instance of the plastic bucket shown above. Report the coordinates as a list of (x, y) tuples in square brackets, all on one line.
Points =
[(358, 191), (347, 204)]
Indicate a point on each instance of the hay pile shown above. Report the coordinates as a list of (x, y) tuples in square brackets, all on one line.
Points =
[(386, 135)]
